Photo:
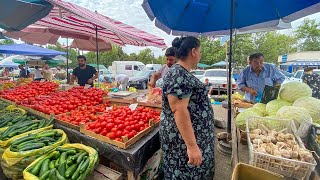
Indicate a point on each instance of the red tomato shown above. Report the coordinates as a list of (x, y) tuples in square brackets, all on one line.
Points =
[(111, 135)]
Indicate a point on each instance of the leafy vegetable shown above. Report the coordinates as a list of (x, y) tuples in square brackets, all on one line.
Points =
[(273, 106), (260, 107), (311, 104), (293, 90), (242, 117), (298, 114)]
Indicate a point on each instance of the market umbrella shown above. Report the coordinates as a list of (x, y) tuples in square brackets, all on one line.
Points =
[(220, 64), (17, 14), (208, 18), (8, 62), (201, 65), (27, 49), (40, 61)]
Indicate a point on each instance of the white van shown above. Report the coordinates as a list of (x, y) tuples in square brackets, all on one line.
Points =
[(128, 68), (154, 67)]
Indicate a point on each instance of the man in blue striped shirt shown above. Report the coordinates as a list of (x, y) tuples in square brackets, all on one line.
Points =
[(254, 77)]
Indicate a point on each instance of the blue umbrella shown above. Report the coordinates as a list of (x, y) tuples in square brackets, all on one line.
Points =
[(15, 15), (209, 17), (30, 50)]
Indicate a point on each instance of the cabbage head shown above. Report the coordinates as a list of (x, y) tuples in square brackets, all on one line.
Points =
[(297, 114), (294, 90), (260, 107), (273, 106), (317, 122), (242, 117), (311, 104)]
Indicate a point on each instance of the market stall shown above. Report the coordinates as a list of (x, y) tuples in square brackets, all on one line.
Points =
[(78, 110), (298, 159)]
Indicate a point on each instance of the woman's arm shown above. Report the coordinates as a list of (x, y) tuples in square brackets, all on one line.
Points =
[(182, 118)]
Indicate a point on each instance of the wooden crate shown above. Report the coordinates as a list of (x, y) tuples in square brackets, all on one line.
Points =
[(126, 143), (66, 124), (38, 113), (7, 101), (102, 172)]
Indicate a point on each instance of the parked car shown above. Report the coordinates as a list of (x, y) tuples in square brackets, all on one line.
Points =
[(198, 73), (286, 73), (129, 68), (298, 75), (141, 79), (218, 79), (154, 67)]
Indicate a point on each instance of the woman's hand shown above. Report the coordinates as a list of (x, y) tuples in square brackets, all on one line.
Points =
[(195, 156)]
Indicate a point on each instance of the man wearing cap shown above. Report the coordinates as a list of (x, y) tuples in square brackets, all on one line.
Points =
[(170, 60), (254, 77)]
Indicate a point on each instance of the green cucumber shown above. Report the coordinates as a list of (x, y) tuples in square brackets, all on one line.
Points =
[(56, 164), (62, 169), (52, 164), (27, 142), (71, 170), (21, 140), (71, 152), (75, 157), (44, 167), (79, 159), (35, 170), (52, 174), (45, 175), (59, 176), (41, 124), (50, 122), (85, 165), (61, 149), (77, 172), (32, 146), (63, 157), (69, 160), (49, 133)]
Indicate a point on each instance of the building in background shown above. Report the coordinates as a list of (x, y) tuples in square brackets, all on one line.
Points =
[(295, 61)]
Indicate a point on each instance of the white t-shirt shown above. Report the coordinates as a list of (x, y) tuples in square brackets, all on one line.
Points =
[(163, 70), (121, 77), (48, 75), (37, 74)]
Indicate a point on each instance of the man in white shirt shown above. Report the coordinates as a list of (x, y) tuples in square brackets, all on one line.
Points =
[(47, 73), (122, 81), (170, 60), (37, 74)]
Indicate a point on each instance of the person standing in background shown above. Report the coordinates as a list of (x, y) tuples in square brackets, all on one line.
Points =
[(313, 81), (47, 73), (84, 73), (170, 60), (37, 74), (23, 72), (122, 81), (61, 74), (6, 72), (254, 77)]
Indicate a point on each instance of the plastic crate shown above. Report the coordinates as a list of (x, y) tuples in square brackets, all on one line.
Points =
[(312, 144), (286, 167)]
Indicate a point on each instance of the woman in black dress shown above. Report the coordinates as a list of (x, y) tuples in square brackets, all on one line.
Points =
[(313, 81), (186, 126)]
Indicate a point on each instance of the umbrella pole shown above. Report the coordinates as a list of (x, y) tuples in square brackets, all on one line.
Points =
[(97, 54), (229, 72), (67, 60)]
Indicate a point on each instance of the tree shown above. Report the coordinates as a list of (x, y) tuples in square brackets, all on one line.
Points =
[(72, 53), (243, 46), (308, 35), (212, 51), (6, 41)]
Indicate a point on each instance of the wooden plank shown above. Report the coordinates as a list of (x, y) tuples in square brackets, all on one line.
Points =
[(131, 176), (153, 105), (66, 124), (104, 173)]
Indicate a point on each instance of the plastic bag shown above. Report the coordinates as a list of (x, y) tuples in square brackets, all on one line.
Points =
[(5, 144), (93, 155), (155, 95), (13, 163)]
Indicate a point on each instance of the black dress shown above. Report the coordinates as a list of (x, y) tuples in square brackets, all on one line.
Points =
[(182, 84), (313, 81)]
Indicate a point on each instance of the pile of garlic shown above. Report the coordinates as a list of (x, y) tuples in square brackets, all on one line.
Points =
[(278, 144)]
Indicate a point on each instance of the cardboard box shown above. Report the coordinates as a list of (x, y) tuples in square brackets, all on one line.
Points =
[(247, 172)]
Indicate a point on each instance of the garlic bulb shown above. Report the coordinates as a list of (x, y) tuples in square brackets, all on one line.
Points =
[(257, 131), (281, 137)]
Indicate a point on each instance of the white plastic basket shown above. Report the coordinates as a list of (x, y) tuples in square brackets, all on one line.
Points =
[(287, 167)]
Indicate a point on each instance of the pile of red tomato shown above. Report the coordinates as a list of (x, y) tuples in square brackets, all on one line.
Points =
[(83, 114), (121, 121), (65, 101), (29, 90)]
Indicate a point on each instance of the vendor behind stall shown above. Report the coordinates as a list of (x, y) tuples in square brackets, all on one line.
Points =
[(254, 77), (23, 72), (122, 81), (37, 74), (84, 73)]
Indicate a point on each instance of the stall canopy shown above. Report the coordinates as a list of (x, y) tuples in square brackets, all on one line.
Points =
[(301, 63), (220, 64), (200, 65), (30, 50), (208, 18), (8, 62), (18, 14)]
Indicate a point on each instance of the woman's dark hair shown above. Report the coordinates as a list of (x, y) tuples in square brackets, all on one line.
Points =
[(307, 69), (171, 51), (184, 45), (82, 57)]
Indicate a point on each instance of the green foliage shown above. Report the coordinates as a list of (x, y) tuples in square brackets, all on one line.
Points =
[(6, 41), (309, 35)]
